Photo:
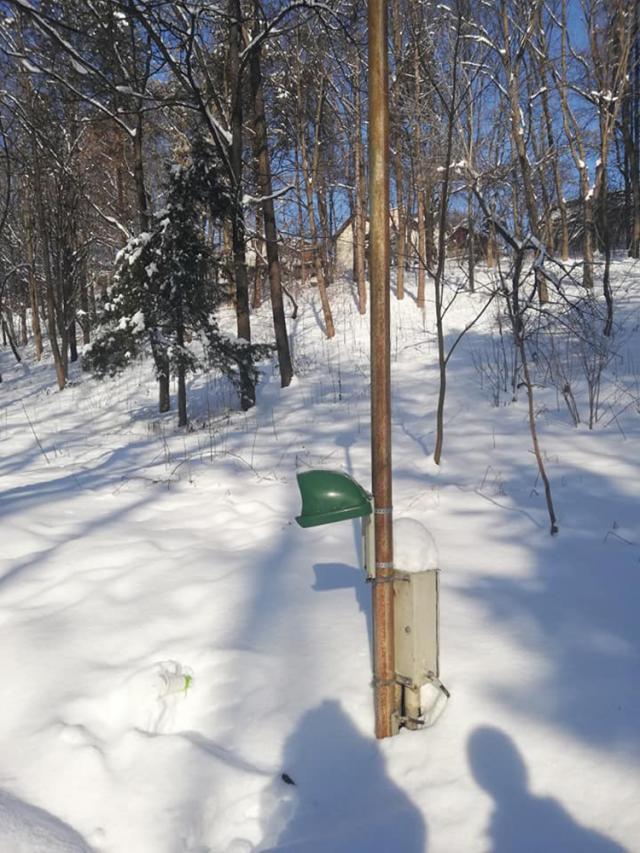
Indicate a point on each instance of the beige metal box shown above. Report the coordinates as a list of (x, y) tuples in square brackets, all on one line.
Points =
[(416, 626)]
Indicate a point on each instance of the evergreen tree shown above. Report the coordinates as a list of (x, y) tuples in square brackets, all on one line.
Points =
[(164, 291)]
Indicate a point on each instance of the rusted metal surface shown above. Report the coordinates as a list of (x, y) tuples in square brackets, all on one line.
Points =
[(379, 253)]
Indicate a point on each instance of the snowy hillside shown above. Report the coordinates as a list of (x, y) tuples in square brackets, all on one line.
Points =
[(173, 643)]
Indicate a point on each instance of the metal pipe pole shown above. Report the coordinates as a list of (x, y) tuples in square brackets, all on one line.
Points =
[(379, 264)]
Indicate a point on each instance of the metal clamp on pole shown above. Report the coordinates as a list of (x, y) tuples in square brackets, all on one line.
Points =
[(384, 579), (383, 682)]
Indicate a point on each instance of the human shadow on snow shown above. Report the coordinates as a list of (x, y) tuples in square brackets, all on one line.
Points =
[(578, 614), (339, 776), (520, 820)]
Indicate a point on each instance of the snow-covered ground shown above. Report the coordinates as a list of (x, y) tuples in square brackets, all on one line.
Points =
[(172, 643)]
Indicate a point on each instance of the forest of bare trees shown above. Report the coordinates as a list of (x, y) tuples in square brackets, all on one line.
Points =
[(160, 159)]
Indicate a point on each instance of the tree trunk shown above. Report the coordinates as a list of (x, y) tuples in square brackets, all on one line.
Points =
[(164, 395), (469, 107), (323, 216), (471, 253), (8, 336), (359, 225), (182, 385), (605, 237), (247, 387), (23, 325), (61, 315), (634, 147), (307, 177), (422, 249), (182, 398), (553, 524), (429, 219), (299, 206), (587, 241), (632, 155), (138, 175), (420, 207), (268, 213), (517, 137), (33, 285), (162, 372), (540, 57), (59, 360), (84, 305), (258, 271), (440, 269), (399, 223), (73, 342), (491, 247)]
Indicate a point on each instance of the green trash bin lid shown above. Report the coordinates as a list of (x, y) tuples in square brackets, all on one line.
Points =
[(329, 496)]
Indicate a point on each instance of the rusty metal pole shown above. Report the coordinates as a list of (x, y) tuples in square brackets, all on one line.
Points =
[(379, 265)]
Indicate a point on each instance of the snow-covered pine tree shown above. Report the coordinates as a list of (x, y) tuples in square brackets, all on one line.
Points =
[(164, 289)]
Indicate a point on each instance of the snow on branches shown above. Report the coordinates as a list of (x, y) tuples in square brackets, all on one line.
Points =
[(165, 292)]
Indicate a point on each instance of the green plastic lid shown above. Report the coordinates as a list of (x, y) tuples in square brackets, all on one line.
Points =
[(329, 496)]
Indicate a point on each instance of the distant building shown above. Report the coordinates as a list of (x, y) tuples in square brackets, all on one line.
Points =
[(617, 217), (343, 242), (458, 241)]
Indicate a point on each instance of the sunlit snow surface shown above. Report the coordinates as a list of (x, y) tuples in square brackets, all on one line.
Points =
[(172, 643)]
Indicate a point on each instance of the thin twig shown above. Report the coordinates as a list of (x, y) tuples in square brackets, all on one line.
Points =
[(35, 435)]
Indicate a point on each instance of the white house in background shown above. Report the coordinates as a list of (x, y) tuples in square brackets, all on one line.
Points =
[(343, 247), (343, 242)]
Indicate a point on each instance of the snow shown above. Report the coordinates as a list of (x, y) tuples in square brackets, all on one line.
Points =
[(539, 92), (29, 66), (414, 548), (78, 67), (480, 39), (137, 557), (138, 321), (224, 134)]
